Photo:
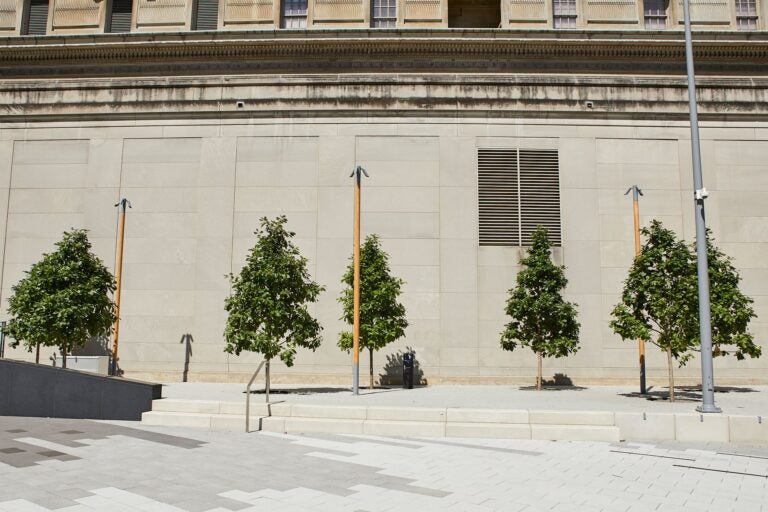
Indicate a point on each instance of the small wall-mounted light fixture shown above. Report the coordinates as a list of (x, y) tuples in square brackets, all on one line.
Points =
[(240, 104), (589, 104)]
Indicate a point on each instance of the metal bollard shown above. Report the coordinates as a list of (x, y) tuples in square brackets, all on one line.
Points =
[(408, 370)]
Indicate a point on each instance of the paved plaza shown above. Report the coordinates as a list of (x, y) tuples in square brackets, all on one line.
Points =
[(81, 466), (732, 399)]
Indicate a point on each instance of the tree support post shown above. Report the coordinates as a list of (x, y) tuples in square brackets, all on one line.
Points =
[(538, 371), (636, 192), (122, 205), (700, 193), (357, 173)]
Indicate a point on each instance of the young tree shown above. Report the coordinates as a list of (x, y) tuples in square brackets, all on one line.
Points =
[(382, 317), (268, 305), (541, 319), (656, 301), (660, 301), (64, 299)]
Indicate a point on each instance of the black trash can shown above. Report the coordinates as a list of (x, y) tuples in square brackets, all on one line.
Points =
[(408, 370)]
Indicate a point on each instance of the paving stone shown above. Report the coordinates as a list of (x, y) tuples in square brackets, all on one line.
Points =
[(161, 469)]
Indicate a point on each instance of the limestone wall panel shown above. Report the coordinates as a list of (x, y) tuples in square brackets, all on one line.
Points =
[(529, 13), (154, 15), (422, 10), (339, 11), (709, 12), (612, 11), (72, 16), (9, 17), (239, 14)]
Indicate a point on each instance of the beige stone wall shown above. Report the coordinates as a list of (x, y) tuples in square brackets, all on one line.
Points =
[(198, 188)]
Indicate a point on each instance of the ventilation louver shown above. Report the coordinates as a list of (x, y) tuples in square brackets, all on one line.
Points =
[(519, 189)]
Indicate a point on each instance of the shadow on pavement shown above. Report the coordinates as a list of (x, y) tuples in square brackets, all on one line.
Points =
[(301, 391), (559, 382), (685, 393)]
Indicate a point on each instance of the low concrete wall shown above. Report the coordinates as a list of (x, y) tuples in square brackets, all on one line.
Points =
[(28, 389)]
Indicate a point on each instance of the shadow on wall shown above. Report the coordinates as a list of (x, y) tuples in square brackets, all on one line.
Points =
[(393, 370), (96, 346)]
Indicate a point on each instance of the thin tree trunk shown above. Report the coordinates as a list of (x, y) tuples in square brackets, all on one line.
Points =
[(538, 372), (266, 378), (63, 357), (671, 376), (37, 353), (371, 353)]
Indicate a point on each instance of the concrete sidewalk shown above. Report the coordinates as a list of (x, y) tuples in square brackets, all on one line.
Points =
[(743, 400)]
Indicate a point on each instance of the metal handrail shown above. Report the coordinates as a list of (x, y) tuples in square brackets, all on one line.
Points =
[(248, 393)]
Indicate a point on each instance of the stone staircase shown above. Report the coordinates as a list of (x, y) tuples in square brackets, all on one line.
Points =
[(387, 421)]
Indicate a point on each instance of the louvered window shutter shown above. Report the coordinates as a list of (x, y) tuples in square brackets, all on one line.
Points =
[(498, 190), (120, 16), (206, 15), (539, 194), (37, 18), (518, 190)]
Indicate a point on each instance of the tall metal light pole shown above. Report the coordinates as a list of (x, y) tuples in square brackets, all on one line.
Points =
[(700, 193), (356, 284), (122, 205), (636, 210)]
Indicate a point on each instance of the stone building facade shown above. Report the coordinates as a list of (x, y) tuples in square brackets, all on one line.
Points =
[(209, 115)]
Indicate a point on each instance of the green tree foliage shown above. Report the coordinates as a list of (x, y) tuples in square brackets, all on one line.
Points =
[(268, 306), (541, 319), (382, 317), (660, 303), (730, 309), (64, 299)]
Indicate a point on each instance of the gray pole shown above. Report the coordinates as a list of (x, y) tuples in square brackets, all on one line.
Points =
[(700, 193)]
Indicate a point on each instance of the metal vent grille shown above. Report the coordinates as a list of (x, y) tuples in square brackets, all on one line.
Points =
[(518, 190), (37, 18), (120, 17), (206, 15)]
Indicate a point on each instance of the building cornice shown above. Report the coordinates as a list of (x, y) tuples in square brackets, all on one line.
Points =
[(717, 53)]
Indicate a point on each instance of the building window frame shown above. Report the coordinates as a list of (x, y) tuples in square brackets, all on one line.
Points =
[(746, 14), (655, 14), (383, 13), (294, 13), (119, 16), (564, 14), (27, 17)]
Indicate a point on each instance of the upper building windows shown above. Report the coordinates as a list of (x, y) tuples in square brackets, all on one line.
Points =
[(35, 22), (206, 15), (384, 13), (295, 13), (564, 13), (472, 13), (655, 13), (746, 14), (119, 19)]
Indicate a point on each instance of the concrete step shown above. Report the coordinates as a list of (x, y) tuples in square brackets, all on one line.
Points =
[(208, 406), (458, 422), (230, 422)]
